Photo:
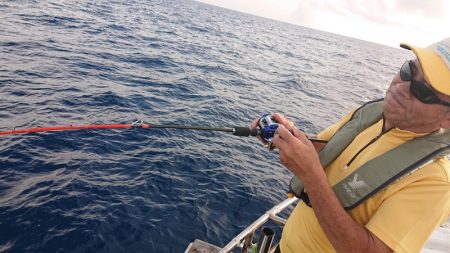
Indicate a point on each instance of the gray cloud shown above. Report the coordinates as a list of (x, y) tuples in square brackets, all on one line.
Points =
[(381, 12), (430, 8), (306, 10)]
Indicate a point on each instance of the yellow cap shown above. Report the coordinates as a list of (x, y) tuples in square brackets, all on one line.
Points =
[(435, 63)]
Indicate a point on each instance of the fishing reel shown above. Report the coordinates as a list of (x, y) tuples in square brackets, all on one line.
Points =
[(266, 129)]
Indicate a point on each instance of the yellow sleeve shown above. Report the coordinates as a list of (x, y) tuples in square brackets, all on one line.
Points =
[(407, 218), (327, 133)]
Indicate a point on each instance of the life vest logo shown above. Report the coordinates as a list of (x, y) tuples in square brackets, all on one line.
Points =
[(355, 187)]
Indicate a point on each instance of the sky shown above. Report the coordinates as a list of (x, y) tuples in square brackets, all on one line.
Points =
[(387, 22)]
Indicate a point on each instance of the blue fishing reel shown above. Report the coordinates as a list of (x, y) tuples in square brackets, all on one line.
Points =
[(267, 127)]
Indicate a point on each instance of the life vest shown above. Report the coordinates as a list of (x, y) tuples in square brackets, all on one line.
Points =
[(379, 172)]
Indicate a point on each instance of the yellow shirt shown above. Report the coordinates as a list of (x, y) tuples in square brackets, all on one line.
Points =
[(403, 215)]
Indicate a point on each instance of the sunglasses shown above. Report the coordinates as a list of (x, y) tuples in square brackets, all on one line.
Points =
[(420, 90)]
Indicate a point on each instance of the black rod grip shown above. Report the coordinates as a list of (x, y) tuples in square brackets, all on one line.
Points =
[(245, 131)]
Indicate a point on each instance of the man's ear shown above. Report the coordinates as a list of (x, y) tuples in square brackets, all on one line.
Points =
[(446, 122)]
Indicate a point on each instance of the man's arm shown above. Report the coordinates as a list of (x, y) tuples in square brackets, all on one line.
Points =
[(300, 156)]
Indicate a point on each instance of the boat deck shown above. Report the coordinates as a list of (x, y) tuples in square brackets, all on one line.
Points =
[(199, 246), (439, 241)]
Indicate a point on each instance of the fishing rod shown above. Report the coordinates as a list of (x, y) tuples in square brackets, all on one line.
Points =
[(238, 131), (266, 128)]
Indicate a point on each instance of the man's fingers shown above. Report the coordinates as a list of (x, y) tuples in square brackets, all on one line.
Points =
[(278, 142), (278, 117), (280, 137), (284, 133), (254, 123), (283, 121), (300, 135)]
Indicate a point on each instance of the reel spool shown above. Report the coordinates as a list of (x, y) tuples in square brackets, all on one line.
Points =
[(266, 128)]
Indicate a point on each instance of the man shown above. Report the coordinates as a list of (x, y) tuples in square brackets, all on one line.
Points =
[(400, 217)]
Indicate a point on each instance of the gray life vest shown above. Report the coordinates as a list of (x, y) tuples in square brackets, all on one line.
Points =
[(378, 173)]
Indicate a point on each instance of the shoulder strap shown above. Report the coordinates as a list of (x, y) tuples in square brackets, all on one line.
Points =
[(385, 169), (381, 171), (365, 116)]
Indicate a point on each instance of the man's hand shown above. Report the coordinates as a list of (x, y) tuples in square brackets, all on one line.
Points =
[(279, 118), (297, 153)]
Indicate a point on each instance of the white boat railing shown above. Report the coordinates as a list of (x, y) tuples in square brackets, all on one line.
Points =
[(244, 239)]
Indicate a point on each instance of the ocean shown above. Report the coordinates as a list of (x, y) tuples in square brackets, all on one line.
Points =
[(165, 62)]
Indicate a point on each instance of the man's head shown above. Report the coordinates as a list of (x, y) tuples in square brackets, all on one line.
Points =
[(418, 98)]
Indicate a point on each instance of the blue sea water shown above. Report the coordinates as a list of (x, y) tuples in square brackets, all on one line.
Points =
[(166, 62)]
